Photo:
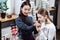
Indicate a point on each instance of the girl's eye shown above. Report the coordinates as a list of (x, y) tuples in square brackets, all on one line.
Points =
[(25, 9)]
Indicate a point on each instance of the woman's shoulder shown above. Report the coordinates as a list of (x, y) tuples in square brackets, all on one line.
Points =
[(52, 26), (17, 19)]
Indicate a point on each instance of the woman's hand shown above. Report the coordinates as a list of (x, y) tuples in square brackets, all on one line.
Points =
[(38, 29), (36, 24)]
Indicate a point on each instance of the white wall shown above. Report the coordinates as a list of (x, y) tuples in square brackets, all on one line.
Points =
[(17, 6), (10, 5), (14, 6), (50, 3)]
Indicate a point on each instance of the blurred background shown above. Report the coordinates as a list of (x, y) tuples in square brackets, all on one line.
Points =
[(10, 9)]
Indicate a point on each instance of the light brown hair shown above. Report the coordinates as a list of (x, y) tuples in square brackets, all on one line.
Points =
[(44, 12)]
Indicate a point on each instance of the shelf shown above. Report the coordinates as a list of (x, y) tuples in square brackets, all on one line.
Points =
[(8, 19)]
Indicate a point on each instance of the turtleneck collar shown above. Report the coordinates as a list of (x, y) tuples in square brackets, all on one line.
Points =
[(23, 15)]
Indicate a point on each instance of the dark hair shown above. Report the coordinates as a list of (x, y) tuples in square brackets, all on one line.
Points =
[(22, 16), (25, 3), (44, 12), (28, 0)]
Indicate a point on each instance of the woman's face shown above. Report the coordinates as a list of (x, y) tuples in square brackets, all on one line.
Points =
[(26, 10), (41, 18)]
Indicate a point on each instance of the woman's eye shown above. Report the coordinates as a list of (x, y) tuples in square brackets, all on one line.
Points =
[(25, 9), (28, 9)]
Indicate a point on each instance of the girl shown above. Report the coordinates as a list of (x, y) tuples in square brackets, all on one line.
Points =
[(24, 22), (46, 29)]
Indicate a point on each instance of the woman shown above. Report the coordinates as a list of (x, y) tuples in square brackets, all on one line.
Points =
[(25, 22), (46, 29)]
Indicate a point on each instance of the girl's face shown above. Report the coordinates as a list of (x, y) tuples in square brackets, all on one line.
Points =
[(41, 18), (26, 10)]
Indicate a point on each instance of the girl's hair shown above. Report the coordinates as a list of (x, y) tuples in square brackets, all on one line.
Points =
[(44, 12), (22, 16), (23, 4)]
